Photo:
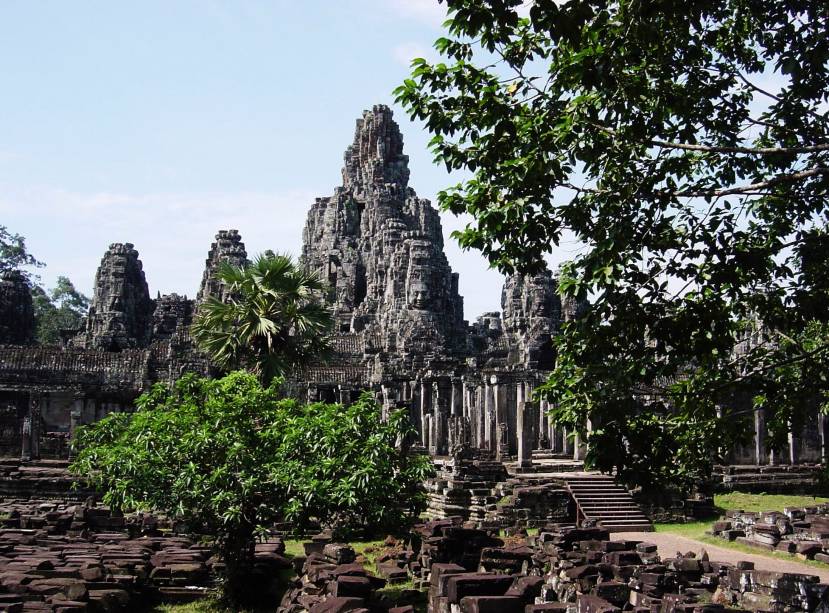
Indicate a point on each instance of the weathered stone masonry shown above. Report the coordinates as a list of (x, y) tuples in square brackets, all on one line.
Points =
[(400, 330)]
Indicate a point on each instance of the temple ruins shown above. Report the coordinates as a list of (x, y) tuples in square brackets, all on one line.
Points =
[(400, 332)]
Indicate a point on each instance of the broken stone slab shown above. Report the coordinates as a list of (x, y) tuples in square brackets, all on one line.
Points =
[(350, 586), (586, 603), (339, 553), (527, 588), (491, 604), (476, 584), (339, 605)]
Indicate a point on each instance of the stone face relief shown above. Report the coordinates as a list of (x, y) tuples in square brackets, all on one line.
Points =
[(121, 308), (399, 314), (227, 248), (380, 247), (17, 319)]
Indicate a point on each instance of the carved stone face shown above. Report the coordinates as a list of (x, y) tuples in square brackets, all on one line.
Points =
[(539, 300), (419, 292), (419, 295)]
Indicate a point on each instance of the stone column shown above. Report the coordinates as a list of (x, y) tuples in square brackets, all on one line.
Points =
[(524, 431), (794, 447), (501, 443), (759, 437), (75, 420), (439, 419), (499, 410), (456, 408), (479, 412), (489, 415), (35, 401), (427, 432), (579, 446), (544, 426), (425, 391), (26, 438)]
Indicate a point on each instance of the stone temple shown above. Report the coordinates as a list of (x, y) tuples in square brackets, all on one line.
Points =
[(400, 331)]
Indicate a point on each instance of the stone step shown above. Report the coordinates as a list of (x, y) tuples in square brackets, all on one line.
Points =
[(608, 503), (617, 516), (595, 508)]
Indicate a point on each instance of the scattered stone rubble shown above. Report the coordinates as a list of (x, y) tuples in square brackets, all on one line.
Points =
[(400, 331), (480, 490), (563, 569), (803, 532), (17, 316), (67, 557)]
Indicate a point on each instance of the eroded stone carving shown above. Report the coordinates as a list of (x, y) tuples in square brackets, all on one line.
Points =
[(532, 317), (229, 248), (17, 319), (380, 249), (121, 310)]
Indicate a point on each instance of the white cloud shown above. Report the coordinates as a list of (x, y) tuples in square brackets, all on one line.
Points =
[(429, 11), (172, 231), (404, 53)]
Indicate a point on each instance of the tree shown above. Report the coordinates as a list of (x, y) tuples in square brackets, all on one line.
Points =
[(685, 146), (63, 308), (231, 458), (13, 254), (272, 321)]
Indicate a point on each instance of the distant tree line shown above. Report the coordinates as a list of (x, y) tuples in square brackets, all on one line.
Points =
[(62, 307)]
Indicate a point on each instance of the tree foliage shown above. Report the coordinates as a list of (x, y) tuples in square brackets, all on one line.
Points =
[(685, 146), (14, 255), (231, 457), (272, 320), (62, 308)]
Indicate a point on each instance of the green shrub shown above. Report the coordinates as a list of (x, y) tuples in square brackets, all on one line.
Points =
[(231, 458)]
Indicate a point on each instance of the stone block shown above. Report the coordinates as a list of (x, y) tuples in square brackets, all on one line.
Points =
[(527, 588), (553, 607), (476, 584), (491, 604), (338, 605), (339, 553), (614, 592), (350, 586), (586, 603)]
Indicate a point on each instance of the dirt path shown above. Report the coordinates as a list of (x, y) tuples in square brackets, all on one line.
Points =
[(669, 544)]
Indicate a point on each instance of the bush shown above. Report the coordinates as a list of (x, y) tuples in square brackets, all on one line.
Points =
[(231, 458)]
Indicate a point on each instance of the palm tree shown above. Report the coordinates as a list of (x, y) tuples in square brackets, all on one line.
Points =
[(271, 322)]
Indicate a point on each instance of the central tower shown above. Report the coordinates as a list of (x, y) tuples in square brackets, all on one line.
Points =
[(380, 249)]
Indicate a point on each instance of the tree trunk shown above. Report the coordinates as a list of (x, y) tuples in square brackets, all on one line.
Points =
[(237, 553)]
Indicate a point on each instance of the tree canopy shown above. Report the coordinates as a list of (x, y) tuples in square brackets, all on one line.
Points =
[(61, 308), (14, 255), (685, 147), (231, 457), (272, 319)]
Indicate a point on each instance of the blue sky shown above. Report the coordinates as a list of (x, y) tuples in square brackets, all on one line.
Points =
[(159, 123)]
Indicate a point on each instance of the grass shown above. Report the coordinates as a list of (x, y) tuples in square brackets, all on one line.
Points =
[(735, 501), (200, 606), (763, 502), (294, 548), (696, 531), (369, 550)]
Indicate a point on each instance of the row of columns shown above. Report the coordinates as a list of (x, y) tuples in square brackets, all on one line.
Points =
[(811, 445), (82, 409), (498, 414)]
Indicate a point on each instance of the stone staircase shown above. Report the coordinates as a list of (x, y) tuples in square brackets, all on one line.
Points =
[(599, 498)]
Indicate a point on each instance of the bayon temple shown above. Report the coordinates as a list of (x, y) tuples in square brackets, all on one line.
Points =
[(400, 331)]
